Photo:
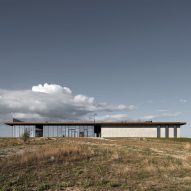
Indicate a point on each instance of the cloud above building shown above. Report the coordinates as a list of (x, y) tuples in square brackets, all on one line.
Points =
[(114, 117), (51, 89), (52, 101), (163, 115)]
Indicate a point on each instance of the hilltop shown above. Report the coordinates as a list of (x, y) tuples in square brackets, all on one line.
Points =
[(95, 164)]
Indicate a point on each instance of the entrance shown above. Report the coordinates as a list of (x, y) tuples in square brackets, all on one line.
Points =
[(39, 131), (85, 132), (71, 133), (97, 130)]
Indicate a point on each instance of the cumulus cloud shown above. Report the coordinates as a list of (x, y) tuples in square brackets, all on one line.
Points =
[(163, 115), (52, 101), (51, 89), (84, 99)]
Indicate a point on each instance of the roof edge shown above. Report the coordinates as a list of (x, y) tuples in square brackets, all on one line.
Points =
[(95, 123)]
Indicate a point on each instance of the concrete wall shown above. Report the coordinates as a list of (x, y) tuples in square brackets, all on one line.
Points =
[(129, 132), (162, 132), (178, 132), (171, 132), (165, 131)]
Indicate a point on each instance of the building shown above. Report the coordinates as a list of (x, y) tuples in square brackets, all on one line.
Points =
[(93, 129)]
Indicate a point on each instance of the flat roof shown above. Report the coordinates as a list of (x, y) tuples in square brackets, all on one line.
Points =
[(96, 123)]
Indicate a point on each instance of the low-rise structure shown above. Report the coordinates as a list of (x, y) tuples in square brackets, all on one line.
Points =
[(94, 129)]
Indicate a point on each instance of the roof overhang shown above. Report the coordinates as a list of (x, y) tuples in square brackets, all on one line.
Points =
[(98, 123)]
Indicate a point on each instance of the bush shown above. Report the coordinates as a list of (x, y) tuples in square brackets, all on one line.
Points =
[(25, 136)]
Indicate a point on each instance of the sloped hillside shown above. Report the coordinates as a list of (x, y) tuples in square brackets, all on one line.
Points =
[(95, 164)]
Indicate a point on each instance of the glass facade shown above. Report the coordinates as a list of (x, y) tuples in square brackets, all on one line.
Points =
[(68, 131), (54, 131), (83, 130), (18, 130)]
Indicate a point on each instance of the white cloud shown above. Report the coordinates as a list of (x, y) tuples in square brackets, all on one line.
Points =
[(163, 115), (113, 117), (52, 101), (84, 99), (25, 115), (51, 88), (183, 100)]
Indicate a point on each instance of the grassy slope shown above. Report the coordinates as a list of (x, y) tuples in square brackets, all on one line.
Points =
[(90, 164)]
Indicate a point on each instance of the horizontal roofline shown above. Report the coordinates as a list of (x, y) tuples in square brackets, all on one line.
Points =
[(96, 123)]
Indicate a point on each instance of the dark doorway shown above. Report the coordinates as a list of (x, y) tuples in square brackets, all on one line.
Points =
[(39, 131), (97, 130), (81, 134)]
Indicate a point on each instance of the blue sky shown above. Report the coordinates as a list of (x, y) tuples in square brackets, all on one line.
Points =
[(132, 53)]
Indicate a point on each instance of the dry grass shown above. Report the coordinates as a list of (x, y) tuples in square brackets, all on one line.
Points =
[(92, 164), (48, 153)]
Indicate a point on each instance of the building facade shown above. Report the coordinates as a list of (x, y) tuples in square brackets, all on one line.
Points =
[(94, 129)]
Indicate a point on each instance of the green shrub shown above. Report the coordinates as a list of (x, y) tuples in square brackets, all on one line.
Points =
[(25, 136)]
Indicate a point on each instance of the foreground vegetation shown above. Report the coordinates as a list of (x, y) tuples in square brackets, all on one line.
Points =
[(95, 164)]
